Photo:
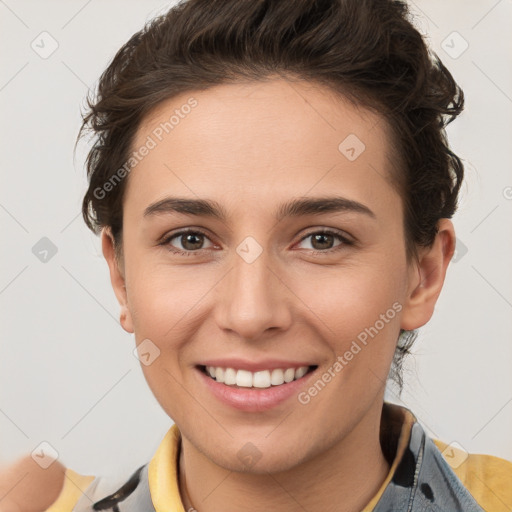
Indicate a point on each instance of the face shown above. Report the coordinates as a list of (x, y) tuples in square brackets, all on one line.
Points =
[(246, 273)]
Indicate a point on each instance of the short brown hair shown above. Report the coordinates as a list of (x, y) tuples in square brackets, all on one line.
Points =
[(366, 50)]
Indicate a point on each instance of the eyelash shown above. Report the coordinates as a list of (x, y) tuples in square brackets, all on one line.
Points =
[(345, 241)]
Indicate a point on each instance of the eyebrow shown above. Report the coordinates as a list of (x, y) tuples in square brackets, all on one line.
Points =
[(293, 208)]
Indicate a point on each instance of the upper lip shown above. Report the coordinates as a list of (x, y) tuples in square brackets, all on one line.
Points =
[(255, 366)]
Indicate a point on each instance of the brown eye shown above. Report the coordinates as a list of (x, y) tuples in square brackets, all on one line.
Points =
[(324, 241), (190, 242)]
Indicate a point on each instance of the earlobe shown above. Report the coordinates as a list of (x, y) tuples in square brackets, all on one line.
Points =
[(117, 278), (427, 277)]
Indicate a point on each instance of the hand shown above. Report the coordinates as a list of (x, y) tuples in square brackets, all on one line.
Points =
[(26, 487)]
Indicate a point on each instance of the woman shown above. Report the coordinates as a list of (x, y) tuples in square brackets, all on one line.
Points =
[(273, 188)]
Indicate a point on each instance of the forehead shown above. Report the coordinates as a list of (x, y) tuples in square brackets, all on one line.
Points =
[(258, 141)]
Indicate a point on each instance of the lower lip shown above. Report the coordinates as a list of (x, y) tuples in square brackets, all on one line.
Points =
[(254, 399)]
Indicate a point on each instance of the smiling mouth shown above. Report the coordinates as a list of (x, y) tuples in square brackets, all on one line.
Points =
[(260, 380)]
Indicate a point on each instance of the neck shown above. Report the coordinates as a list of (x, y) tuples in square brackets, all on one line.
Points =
[(343, 478)]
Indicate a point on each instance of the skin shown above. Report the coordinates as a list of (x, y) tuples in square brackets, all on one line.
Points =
[(251, 147), (26, 487)]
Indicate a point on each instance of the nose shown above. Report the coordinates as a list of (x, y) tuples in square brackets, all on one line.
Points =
[(253, 298)]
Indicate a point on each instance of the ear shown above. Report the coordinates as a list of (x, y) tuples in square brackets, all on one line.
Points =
[(426, 277), (117, 278)]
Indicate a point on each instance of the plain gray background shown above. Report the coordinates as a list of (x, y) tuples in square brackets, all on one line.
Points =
[(68, 375)]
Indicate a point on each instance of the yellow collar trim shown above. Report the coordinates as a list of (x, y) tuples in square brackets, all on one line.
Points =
[(163, 474)]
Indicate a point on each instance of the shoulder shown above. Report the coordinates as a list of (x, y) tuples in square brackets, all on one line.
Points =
[(87, 493), (486, 477), (74, 486), (81, 492)]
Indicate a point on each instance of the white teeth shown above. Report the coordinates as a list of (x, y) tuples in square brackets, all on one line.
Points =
[(277, 377), (219, 374), (300, 372), (289, 374), (261, 379), (244, 378), (229, 376)]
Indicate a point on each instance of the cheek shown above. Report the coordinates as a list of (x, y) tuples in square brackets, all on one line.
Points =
[(163, 299), (358, 311)]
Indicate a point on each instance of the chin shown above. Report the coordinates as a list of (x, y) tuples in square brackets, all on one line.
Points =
[(251, 459)]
